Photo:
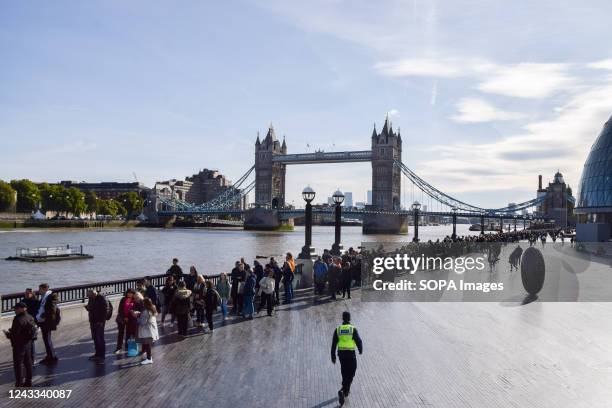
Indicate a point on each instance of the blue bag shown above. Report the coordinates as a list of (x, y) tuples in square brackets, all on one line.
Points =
[(132, 347)]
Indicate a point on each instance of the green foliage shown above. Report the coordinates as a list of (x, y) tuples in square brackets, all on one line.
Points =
[(74, 201), (7, 196), (53, 197), (28, 195), (131, 202), (91, 202), (111, 207)]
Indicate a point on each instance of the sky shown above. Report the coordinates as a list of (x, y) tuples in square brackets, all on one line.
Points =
[(488, 94)]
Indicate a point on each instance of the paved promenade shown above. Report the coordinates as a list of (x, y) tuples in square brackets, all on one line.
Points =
[(415, 355)]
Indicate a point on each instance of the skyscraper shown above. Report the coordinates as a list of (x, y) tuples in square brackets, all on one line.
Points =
[(348, 199)]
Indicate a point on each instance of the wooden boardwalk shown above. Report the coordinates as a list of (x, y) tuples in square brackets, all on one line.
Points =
[(415, 355)]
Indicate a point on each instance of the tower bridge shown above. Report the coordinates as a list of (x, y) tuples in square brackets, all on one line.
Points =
[(385, 215)]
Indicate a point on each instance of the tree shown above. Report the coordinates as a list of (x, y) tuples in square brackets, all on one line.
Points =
[(28, 195), (75, 201), (132, 203), (91, 201), (7, 196), (54, 197), (110, 207)]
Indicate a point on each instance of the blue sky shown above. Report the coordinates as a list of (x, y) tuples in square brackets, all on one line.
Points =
[(488, 94)]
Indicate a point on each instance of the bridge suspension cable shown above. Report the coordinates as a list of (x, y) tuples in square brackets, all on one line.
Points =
[(452, 202), (226, 200)]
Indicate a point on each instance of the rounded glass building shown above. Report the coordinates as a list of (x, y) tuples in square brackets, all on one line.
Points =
[(594, 204)]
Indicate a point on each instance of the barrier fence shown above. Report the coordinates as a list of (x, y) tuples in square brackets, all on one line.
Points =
[(78, 293)]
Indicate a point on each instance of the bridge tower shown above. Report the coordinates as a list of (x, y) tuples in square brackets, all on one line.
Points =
[(386, 182), (269, 176), (269, 186)]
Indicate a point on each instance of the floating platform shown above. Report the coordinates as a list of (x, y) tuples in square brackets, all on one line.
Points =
[(49, 254)]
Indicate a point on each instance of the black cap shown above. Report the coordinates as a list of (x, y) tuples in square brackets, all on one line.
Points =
[(20, 304), (346, 316)]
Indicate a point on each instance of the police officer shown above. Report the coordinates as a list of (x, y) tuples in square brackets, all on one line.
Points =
[(346, 339), (21, 333)]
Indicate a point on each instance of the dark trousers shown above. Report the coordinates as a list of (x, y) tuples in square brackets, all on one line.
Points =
[(288, 291), (348, 366), (277, 290), (346, 289), (209, 318), (46, 335), (97, 334), (199, 314), (182, 323), (121, 337), (22, 357), (266, 300)]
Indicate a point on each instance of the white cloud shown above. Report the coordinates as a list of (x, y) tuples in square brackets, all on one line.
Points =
[(527, 80), (393, 113), (433, 67), (603, 64), (473, 110)]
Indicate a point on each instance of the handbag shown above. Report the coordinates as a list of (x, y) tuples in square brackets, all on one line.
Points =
[(132, 347)]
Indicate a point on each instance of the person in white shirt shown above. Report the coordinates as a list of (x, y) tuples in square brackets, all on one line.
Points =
[(266, 290)]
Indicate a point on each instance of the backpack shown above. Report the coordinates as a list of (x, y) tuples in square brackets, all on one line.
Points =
[(58, 316), (109, 310)]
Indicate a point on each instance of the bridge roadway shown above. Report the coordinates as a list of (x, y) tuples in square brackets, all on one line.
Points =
[(415, 355)]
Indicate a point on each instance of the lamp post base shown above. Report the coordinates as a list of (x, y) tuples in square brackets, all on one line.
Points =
[(336, 249), (307, 252)]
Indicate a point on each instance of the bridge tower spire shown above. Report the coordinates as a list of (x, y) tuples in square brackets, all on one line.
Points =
[(386, 181), (269, 176)]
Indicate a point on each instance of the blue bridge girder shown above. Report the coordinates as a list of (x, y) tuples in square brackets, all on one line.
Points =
[(358, 214), (324, 157)]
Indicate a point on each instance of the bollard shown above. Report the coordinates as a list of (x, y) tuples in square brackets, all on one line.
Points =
[(533, 270)]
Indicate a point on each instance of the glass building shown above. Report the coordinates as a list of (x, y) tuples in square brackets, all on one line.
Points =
[(595, 190)]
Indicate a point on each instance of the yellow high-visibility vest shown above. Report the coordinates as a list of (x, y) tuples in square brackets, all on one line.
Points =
[(345, 337)]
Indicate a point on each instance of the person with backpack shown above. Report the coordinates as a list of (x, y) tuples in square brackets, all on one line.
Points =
[(98, 309), (21, 334), (48, 318), (211, 300)]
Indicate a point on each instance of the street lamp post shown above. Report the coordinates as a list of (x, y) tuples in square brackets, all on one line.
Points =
[(482, 221), (416, 206), (338, 198), (501, 223), (454, 236), (307, 250)]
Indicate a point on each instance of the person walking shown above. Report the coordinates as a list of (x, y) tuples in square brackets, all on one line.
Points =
[(249, 295), (123, 311), (47, 319), (97, 309), (21, 334), (223, 289), (181, 305), (198, 293), (168, 292), (346, 339), (147, 330), (266, 290), (211, 300)]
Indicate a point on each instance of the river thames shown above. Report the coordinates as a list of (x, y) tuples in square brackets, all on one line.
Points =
[(126, 253)]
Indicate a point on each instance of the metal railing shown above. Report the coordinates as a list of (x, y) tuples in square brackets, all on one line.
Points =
[(78, 293), (49, 251)]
